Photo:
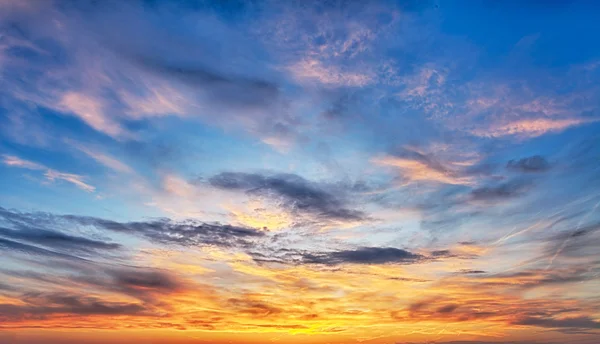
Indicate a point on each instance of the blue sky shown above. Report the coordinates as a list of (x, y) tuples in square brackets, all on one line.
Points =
[(433, 138)]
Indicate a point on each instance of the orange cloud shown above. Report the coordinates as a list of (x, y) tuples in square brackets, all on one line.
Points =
[(415, 170), (530, 127)]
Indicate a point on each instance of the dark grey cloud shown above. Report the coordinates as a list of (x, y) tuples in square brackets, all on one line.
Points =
[(10, 245), (297, 193), (188, 233), (364, 255), (360, 255), (146, 279), (57, 240), (38, 305), (472, 272), (534, 163), (447, 309), (441, 254), (145, 284)]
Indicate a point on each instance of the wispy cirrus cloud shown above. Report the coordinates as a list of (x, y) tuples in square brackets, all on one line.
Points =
[(105, 159), (50, 174), (530, 127)]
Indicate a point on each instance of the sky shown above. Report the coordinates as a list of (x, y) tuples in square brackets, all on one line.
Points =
[(323, 172)]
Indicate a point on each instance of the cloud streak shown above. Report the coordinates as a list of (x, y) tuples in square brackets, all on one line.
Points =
[(50, 174)]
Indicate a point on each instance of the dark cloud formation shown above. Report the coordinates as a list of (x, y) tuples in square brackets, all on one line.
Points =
[(360, 255), (57, 240), (145, 284), (297, 193), (534, 163), (187, 233), (38, 305), (441, 254), (472, 272), (365, 255), (14, 246), (144, 279)]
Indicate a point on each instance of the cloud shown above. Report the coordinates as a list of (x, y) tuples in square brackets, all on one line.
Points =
[(74, 179), (578, 242), (50, 304), (105, 159), (500, 192), (90, 111), (472, 272), (101, 66), (535, 163), (166, 231), (297, 193), (145, 279), (533, 278), (582, 322), (364, 255), (50, 174), (31, 250), (416, 166), (57, 240), (186, 233), (530, 127), (219, 88), (14, 161), (361, 256), (147, 284), (314, 70), (253, 307)]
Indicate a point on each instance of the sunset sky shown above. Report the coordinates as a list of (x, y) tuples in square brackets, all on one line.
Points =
[(323, 172)]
